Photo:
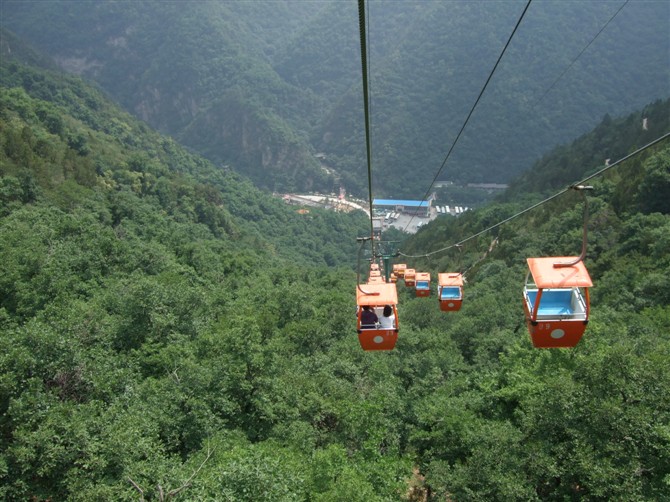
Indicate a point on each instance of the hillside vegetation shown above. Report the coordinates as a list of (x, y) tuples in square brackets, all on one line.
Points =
[(169, 332), (264, 86)]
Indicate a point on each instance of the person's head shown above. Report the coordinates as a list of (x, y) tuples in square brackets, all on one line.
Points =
[(388, 310), (366, 307)]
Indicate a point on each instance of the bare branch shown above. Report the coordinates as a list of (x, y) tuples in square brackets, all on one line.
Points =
[(138, 488), (174, 492)]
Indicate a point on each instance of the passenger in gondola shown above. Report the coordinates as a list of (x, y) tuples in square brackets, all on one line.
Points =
[(368, 318), (387, 320)]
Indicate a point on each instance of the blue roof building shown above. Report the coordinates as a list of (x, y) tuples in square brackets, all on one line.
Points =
[(420, 207)]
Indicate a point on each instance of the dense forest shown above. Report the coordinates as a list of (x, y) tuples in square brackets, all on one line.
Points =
[(170, 332), (263, 87)]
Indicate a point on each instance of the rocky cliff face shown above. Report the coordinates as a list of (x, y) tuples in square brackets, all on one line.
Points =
[(258, 142)]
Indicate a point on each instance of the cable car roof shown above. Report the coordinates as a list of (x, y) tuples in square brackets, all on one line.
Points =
[(545, 275), (450, 279), (383, 294)]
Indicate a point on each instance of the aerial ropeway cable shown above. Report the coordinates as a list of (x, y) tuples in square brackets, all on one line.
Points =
[(542, 202), (580, 53), (377, 320), (450, 284), (444, 162), (366, 109), (467, 119), (556, 301)]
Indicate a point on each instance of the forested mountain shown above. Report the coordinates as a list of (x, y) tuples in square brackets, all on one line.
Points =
[(611, 140), (200, 77), (263, 86), (168, 331), (80, 118)]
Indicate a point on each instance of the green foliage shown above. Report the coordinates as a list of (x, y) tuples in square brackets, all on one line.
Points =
[(168, 331), (610, 141), (654, 192)]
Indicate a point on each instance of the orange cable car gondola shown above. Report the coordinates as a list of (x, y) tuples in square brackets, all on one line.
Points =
[(375, 296), (375, 275), (399, 270), (450, 291), (556, 302), (422, 284), (410, 277), (377, 309)]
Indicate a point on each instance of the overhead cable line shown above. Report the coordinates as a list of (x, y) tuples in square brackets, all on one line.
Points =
[(598, 173), (444, 162), (366, 108), (580, 54)]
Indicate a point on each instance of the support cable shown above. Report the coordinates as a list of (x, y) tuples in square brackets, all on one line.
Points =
[(481, 93), (580, 54), (366, 108), (582, 255), (598, 173)]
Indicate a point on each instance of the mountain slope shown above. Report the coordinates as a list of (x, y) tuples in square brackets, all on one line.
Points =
[(229, 74), (611, 140), (175, 80), (77, 135), (424, 85)]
